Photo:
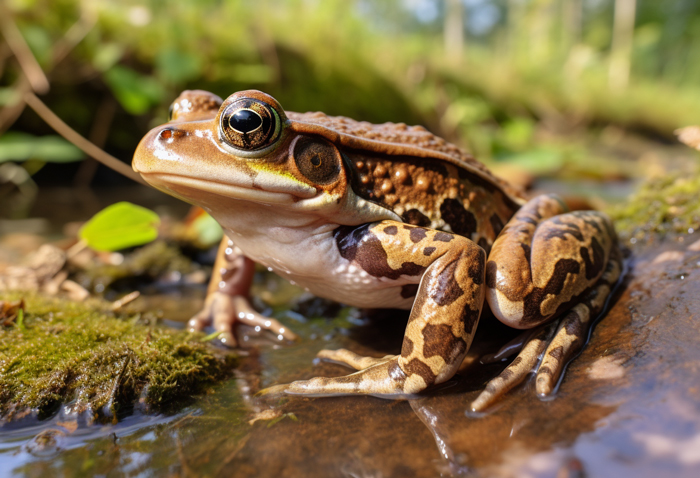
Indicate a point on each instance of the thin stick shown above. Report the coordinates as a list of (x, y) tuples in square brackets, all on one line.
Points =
[(24, 55), (71, 135)]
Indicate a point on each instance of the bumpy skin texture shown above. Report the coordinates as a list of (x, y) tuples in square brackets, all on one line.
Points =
[(382, 216)]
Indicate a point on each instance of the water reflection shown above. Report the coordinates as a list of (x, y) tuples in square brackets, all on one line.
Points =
[(630, 406)]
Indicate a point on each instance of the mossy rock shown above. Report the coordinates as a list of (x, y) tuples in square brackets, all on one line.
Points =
[(668, 205), (101, 363)]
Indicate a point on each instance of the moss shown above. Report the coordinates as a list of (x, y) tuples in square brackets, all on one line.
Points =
[(102, 363), (661, 206)]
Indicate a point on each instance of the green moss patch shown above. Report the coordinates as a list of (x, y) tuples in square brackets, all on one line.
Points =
[(666, 205), (104, 364)]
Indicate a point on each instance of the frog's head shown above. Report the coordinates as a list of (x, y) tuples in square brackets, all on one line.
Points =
[(216, 154)]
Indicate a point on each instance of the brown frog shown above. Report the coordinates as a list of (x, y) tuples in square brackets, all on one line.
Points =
[(382, 215)]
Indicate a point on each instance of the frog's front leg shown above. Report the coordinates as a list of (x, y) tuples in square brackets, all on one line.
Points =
[(443, 320), (546, 263), (227, 302)]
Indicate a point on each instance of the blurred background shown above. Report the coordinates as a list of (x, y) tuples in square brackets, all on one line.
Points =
[(577, 96)]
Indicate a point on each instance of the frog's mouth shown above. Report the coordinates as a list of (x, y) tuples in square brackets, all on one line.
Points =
[(196, 190)]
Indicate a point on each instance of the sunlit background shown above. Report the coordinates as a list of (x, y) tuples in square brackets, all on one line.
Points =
[(541, 90)]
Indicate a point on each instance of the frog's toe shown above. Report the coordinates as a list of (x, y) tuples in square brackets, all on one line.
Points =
[(351, 359), (245, 314), (226, 311), (567, 341), (383, 379), (516, 372)]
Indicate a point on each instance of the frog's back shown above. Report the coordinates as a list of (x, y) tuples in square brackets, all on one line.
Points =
[(420, 176)]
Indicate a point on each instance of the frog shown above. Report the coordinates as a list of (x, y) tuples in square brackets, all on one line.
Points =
[(382, 216)]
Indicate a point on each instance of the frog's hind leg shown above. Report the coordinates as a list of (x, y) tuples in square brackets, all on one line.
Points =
[(574, 327), (351, 359), (569, 336), (443, 319)]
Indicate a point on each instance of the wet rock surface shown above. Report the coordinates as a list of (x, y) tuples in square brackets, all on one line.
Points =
[(629, 405)]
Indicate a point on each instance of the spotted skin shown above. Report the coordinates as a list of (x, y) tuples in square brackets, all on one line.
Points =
[(546, 261), (559, 341), (384, 215), (444, 316)]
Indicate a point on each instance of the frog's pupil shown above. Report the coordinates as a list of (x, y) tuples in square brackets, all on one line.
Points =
[(245, 121), (316, 160)]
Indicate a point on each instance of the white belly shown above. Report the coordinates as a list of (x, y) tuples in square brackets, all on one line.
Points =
[(314, 263)]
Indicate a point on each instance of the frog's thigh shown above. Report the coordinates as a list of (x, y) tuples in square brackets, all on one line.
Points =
[(569, 337), (443, 319), (544, 259)]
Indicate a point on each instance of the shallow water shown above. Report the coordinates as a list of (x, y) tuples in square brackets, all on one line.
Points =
[(629, 405)]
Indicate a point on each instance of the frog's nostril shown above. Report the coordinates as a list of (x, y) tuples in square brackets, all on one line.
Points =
[(168, 134)]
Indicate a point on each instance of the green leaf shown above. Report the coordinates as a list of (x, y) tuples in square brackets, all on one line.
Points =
[(51, 148), (119, 226), (135, 92)]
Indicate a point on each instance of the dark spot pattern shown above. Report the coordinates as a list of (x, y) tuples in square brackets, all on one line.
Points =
[(557, 353), (439, 340), (573, 324), (470, 318), (485, 244), (442, 237), (532, 313), (506, 374), (544, 370), (407, 347), (417, 367), (417, 218), (563, 227), (391, 230), (448, 289), (593, 267), (476, 267), (417, 234), (491, 274), (429, 250), (361, 245), (461, 220)]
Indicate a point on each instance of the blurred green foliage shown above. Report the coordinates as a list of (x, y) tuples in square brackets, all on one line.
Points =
[(525, 71)]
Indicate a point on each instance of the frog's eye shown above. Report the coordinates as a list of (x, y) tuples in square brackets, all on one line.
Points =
[(318, 160), (250, 124)]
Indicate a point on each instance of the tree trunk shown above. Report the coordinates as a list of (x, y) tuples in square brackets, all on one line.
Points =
[(454, 29), (622, 42)]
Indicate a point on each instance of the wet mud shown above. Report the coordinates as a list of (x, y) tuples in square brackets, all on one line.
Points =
[(629, 405)]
